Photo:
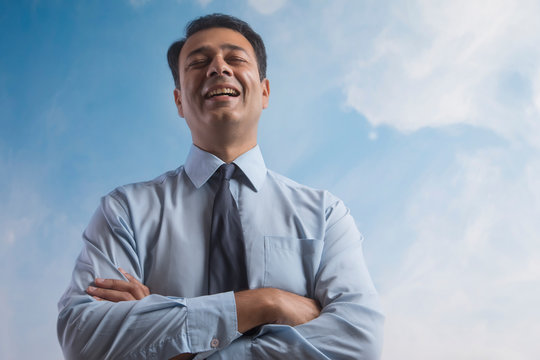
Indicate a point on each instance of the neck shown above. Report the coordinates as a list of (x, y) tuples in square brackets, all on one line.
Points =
[(225, 143), (227, 153)]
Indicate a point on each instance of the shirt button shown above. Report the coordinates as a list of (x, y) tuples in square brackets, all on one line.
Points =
[(214, 343)]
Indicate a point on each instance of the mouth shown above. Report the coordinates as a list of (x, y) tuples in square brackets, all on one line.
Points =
[(223, 91)]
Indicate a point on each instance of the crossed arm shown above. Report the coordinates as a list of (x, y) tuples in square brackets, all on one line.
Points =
[(253, 307), (348, 326)]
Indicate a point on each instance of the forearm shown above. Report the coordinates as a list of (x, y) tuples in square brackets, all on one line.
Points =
[(253, 308), (157, 324), (153, 325), (273, 306), (350, 325), (350, 328), (356, 324)]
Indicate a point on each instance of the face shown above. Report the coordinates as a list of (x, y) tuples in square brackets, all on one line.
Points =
[(219, 82)]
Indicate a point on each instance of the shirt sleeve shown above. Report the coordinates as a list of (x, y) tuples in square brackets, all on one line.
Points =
[(350, 325), (155, 327)]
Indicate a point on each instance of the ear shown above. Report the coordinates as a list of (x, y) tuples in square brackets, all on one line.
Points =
[(265, 87), (178, 102)]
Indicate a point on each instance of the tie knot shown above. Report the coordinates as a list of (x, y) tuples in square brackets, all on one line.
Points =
[(227, 170)]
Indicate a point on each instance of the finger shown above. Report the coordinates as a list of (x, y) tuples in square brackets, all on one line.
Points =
[(130, 278), (137, 291), (110, 295), (144, 289), (114, 284), (122, 286), (98, 298)]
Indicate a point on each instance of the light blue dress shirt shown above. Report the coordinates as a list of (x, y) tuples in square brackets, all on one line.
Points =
[(297, 239)]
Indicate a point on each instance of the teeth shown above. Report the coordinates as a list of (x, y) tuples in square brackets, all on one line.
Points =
[(223, 91)]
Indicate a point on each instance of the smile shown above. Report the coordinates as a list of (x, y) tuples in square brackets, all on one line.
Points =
[(222, 92)]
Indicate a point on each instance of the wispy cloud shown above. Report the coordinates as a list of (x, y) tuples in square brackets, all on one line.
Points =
[(440, 63), (267, 6), (204, 3), (472, 275), (38, 242)]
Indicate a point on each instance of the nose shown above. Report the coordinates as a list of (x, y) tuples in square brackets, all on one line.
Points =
[(219, 66)]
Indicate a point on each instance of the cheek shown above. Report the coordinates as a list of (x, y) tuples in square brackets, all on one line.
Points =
[(190, 97), (190, 86)]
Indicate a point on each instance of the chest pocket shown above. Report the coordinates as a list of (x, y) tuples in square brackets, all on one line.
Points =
[(291, 264)]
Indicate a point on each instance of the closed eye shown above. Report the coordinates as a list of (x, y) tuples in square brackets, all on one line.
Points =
[(197, 62), (236, 59)]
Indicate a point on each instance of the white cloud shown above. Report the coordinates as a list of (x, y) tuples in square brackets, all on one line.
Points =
[(10, 236), (440, 63), (267, 6), (469, 285), (38, 243)]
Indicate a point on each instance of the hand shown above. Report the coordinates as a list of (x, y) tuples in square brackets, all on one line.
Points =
[(292, 309), (273, 306), (118, 290), (121, 290)]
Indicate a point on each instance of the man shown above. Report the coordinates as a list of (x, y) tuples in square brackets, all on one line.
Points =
[(164, 273)]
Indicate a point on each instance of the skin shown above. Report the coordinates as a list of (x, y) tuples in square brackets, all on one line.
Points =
[(225, 126)]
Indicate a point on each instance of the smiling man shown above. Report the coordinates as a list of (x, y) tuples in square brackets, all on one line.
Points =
[(220, 258)]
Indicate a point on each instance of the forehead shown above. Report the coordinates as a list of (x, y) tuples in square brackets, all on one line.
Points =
[(215, 39)]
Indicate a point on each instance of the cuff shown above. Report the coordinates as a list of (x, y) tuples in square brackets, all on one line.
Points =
[(211, 322), (238, 349)]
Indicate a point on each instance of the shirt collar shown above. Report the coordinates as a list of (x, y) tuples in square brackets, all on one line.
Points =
[(201, 165)]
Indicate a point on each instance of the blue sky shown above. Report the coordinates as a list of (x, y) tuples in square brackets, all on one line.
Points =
[(424, 117)]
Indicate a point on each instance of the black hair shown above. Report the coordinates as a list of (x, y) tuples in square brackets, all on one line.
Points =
[(217, 21)]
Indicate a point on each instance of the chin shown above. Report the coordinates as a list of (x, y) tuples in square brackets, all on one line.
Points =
[(225, 117)]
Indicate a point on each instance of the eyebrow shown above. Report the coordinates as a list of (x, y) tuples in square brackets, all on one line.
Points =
[(206, 48)]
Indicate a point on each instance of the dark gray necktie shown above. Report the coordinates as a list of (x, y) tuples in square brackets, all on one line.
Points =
[(227, 262)]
